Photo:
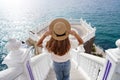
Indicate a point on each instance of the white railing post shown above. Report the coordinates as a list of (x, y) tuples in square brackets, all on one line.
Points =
[(19, 67), (112, 69)]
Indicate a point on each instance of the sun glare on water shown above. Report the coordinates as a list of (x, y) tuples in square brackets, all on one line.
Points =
[(11, 3), (15, 14), (15, 9), (18, 8), (19, 15)]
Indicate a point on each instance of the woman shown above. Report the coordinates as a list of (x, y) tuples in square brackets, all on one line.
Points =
[(59, 46)]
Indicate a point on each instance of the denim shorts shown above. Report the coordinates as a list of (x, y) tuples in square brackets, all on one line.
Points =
[(62, 70)]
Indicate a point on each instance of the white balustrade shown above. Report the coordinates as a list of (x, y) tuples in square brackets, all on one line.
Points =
[(33, 36), (88, 36), (41, 65), (90, 65)]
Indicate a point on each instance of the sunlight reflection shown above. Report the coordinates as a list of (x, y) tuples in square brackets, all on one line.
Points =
[(21, 9), (11, 3)]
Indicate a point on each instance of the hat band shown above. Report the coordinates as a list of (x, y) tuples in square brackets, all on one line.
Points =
[(59, 35)]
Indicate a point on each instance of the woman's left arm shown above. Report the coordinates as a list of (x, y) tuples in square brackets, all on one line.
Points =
[(47, 33)]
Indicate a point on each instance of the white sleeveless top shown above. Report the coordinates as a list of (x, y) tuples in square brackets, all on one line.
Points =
[(67, 56)]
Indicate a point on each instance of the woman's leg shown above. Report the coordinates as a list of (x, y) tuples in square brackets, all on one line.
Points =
[(58, 70), (66, 71)]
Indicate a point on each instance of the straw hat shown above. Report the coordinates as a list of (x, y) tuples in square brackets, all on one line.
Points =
[(13, 44), (59, 28)]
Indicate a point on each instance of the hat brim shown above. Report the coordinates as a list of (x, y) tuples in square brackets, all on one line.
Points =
[(68, 28)]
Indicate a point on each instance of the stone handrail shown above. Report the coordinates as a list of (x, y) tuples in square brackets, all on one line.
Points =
[(41, 65), (90, 65), (11, 73)]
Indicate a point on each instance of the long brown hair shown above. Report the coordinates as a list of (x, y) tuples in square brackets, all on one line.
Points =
[(58, 47)]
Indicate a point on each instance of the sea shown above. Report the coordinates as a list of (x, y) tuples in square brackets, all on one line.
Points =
[(17, 17)]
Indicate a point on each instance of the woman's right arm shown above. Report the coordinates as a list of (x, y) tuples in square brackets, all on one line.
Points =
[(72, 32), (47, 33)]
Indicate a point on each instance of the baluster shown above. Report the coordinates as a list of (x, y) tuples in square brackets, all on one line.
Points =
[(37, 70)]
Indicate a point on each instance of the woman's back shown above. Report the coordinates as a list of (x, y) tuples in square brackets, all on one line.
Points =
[(58, 47)]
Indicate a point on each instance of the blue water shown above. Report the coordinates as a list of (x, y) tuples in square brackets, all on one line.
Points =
[(17, 17)]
